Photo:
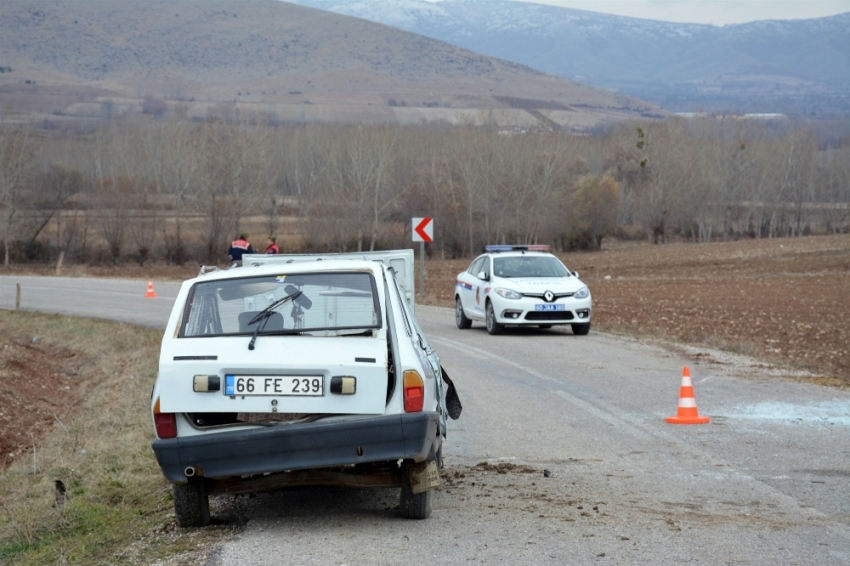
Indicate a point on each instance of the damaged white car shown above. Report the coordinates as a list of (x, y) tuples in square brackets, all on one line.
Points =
[(300, 370)]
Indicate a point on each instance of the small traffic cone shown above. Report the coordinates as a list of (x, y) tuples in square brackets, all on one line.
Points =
[(687, 413), (150, 294)]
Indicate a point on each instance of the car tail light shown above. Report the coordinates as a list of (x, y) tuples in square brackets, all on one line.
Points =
[(414, 392), (164, 423)]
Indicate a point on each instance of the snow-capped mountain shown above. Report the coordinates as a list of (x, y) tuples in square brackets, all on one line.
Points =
[(291, 62), (775, 65)]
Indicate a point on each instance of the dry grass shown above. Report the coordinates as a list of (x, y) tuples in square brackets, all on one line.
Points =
[(117, 508)]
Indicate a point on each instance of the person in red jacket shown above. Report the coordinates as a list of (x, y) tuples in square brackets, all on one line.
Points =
[(272, 247), (239, 247)]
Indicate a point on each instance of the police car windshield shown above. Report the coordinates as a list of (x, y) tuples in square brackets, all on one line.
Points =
[(529, 266)]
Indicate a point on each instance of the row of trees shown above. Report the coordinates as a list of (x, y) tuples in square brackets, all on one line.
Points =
[(180, 190)]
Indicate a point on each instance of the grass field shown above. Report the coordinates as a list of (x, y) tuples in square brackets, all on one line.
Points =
[(74, 409)]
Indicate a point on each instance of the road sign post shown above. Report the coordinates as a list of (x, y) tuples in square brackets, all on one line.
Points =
[(422, 270), (423, 231)]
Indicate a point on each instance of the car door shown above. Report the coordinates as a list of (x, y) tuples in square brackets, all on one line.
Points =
[(479, 285), (466, 283)]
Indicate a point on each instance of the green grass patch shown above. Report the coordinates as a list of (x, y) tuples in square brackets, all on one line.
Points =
[(117, 507)]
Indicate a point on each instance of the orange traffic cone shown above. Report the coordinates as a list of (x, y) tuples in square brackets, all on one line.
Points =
[(150, 294), (687, 413)]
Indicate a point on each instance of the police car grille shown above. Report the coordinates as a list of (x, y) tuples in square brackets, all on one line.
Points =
[(549, 315)]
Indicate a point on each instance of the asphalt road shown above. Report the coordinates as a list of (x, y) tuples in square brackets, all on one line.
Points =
[(113, 299), (766, 482)]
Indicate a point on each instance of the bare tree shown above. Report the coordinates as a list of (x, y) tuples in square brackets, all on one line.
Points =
[(53, 189), (238, 164), (434, 190), (474, 157), (114, 187), (802, 176), (306, 160), (173, 158), (664, 159), (836, 196), (16, 158), (790, 164)]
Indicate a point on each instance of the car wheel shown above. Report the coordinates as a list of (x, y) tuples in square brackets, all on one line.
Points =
[(581, 329), (192, 504), (413, 505), (493, 327), (460, 318), (544, 326)]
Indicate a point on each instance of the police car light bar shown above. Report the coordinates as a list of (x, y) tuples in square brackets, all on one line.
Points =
[(517, 248)]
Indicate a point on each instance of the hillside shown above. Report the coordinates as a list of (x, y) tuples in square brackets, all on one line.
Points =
[(796, 66), (96, 57)]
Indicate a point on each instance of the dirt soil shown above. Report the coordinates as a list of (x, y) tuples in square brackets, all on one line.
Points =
[(41, 385), (785, 302)]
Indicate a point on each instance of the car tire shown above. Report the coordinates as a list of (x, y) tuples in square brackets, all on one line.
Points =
[(192, 503), (460, 318), (413, 505), (581, 329), (544, 326), (493, 327)]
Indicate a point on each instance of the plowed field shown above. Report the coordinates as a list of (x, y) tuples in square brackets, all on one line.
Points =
[(783, 300)]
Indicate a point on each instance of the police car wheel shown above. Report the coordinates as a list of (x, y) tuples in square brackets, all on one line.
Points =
[(581, 329), (460, 318), (493, 327)]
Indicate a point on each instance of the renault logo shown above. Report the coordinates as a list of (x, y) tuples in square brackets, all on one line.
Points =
[(548, 296)]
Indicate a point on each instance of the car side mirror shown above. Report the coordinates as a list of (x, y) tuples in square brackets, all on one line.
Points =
[(575, 273), (483, 276)]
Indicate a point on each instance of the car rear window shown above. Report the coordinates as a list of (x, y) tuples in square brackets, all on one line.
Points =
[(329, 304)]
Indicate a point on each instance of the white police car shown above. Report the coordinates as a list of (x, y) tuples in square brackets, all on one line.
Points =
[(300, 370), (523, 286)]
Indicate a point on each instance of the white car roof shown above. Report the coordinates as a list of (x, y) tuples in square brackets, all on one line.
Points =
[(290, 268)]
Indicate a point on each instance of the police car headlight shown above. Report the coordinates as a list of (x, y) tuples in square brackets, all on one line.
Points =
[(582, 293), (508, 294)]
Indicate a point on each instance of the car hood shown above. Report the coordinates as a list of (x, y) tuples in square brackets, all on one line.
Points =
[(539, 284)]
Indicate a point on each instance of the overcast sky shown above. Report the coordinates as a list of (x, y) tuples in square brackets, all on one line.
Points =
[(718, 12)]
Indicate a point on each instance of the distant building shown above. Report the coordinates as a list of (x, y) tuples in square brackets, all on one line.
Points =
[(764, 117), (754, 116)]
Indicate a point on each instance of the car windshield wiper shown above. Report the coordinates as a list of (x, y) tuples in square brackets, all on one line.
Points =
[(287, 332), (265, 314)]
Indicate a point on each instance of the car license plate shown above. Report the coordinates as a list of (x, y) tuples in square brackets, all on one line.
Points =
[(277, 385), (550, 307)]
